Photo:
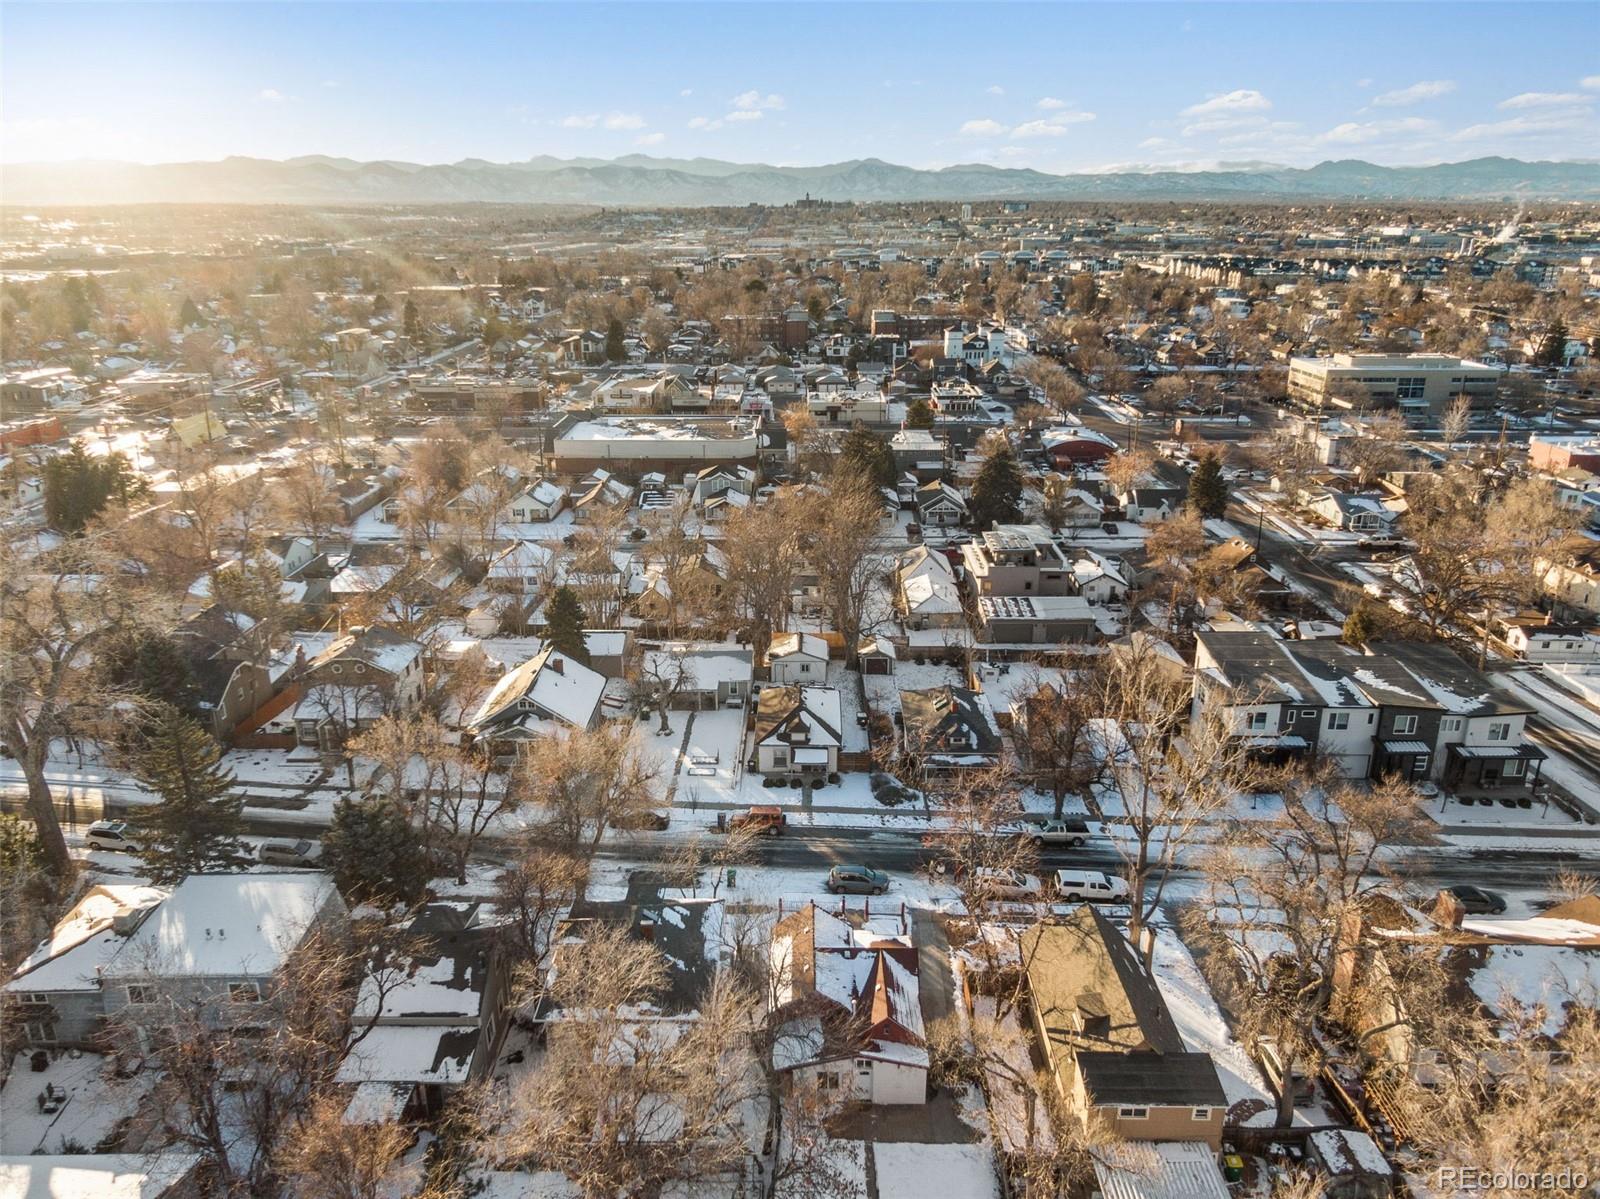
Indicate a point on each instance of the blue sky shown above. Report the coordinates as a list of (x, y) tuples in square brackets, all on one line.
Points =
[(1053, 86)]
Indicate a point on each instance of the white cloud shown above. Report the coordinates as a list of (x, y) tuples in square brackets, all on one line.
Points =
[(1054, 126), (1354, 133), (705, 123), (1428, 89), (580, 121), (753, 100), (745, 114), (271, 95), (688, 91), (624, 120), (1154, 143), (996, 90), (982, 128), (650, 139), (1051, 103), (1545, 121), (1241, 100), (1590, 83), (1543, 100), (1364, 83)]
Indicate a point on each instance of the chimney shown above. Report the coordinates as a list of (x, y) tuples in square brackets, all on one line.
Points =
[(554, 663)]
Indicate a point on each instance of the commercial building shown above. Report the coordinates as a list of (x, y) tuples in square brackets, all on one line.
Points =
[(1420, 386), (634, 445)]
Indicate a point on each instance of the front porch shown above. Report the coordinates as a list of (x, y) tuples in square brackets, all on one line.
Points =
[(1492, 768)]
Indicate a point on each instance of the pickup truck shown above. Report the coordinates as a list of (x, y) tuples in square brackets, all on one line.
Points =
[(1069, 831)]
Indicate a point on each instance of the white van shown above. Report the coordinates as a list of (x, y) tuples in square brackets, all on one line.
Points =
[(1090, 886)]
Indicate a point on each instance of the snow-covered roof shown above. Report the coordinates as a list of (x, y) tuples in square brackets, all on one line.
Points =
[(83, 941), (94, 1175), (557, 685), (416, 1053), (1159, 1170), (786, 645), (218, 925)]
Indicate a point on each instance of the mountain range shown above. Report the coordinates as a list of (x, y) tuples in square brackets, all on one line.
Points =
[(642, 180)]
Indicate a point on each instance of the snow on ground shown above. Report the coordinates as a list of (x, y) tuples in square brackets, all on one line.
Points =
[(1452, 813), (1547, 976), (911, 1171), (1204, 1030), (96, 1104)]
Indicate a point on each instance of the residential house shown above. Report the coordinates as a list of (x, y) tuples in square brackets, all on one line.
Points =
[(539, 502), (1547, 641), (848, 1006), (1110, 1043), (545, 694), (798, 730), (947, 729), (436, 1022), (1151, 505), (713, 676), (939, 505), (359, 678), (797, 658), (214, 940), (1021, 560), (1036, 619), (1352, 513), (1099, 578), (227, 657)]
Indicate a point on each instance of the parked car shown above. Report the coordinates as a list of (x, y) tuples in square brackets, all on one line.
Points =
[(993, 883), (857, 880), (111, 834), (767, 819), (1475, 901), (1089, 886), (1379, 541), (1068, 831), (1271, 1059), (288, 853), (1108, 526)]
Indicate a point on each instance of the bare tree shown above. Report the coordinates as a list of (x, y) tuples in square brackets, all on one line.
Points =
[(845, 524), (584, 782), (1455, 421), (325, 1157), (531, 895), (1054, 735), (57, 610), (1166, 774), (308, 500), (762, 545), (626, 1101), (1281, 895)]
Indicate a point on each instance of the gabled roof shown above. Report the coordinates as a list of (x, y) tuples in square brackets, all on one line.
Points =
[(949, 720), (813, 713), (788, 645), (557, 687), (377, 647)]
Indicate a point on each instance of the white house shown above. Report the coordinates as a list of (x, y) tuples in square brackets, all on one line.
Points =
[(537, 503), (797, 658), (848, 1006), (1550, 642), (940, 505), (798, 730)]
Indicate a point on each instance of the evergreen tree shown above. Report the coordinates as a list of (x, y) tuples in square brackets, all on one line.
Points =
[(150, 663), (564, 621), (997, 492), (20, 851), (615, 350), (196, 825), (411, 322), (381, 305), (189, 314), (1553, 348), (374, 854), (77, 487), (919, 415), (1208, 491), (868, 453), (1359, 626)]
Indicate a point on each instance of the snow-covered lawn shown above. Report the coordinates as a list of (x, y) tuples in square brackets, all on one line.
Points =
[(912, 1171), (96, 1104), (1543, 976)]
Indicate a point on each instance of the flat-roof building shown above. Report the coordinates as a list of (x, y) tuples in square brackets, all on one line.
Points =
[(1420, 386)]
